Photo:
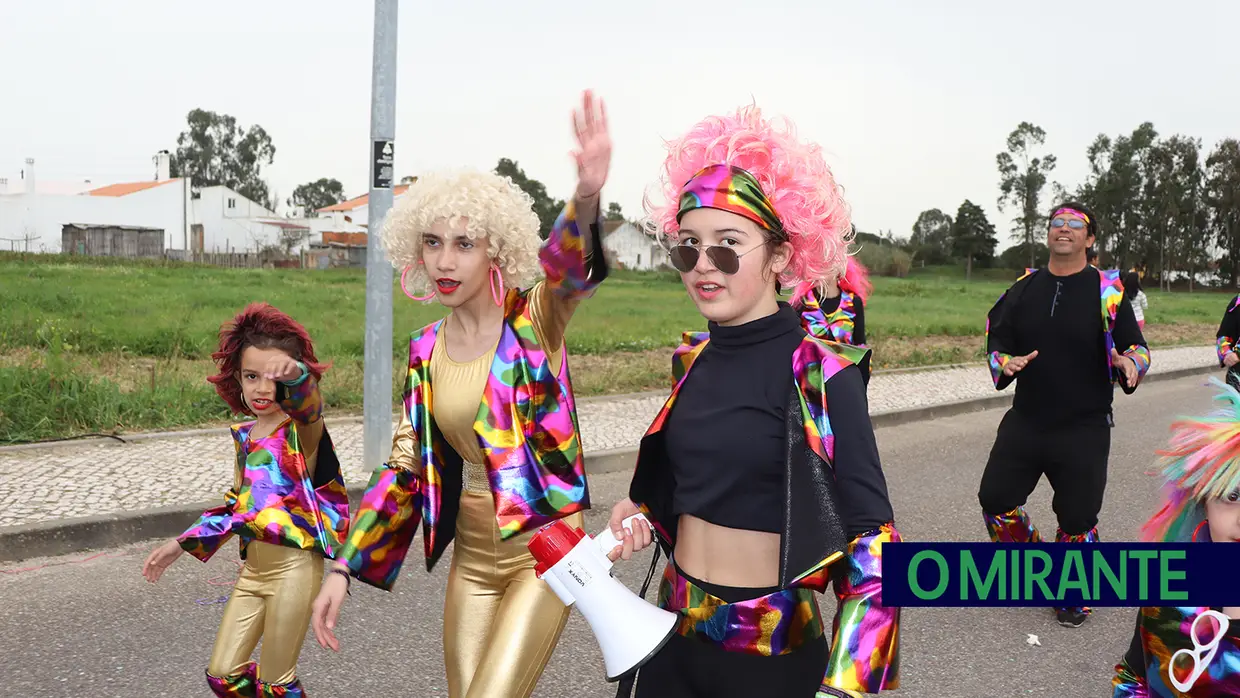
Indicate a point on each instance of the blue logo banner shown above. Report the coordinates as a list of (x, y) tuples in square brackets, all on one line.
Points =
[(1060, 574)]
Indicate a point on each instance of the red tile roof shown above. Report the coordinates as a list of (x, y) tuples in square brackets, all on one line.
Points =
[(128, 187), (362, 200)]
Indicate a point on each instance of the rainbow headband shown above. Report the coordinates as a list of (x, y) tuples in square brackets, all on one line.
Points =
[(1073, 212), (731, 189)]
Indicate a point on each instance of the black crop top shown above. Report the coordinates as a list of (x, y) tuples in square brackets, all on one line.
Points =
[(725, 434)]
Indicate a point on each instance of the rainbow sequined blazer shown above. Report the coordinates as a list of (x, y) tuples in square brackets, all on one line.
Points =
[(276, 499), (1159, 634), (839, 325), (1111, 293), (526, 426), (1228, 331), (815, 548)]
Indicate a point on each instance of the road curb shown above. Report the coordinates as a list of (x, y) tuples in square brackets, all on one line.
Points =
[(68, 536)]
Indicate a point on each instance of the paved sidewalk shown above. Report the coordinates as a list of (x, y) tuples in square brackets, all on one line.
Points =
[(78, 480)]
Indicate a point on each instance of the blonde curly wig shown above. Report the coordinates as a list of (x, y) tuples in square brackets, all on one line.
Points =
[(492, 206)]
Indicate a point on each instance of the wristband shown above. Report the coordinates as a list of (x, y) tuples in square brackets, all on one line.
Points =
[(347, 579)]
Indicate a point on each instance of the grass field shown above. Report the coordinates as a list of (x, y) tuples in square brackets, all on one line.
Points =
[(107, 346)]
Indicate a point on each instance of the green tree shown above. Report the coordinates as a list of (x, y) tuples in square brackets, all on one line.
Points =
[(1022, 176), (312, 196), (215, 151), (547, 208), (973, 236), (613, 212), (1222, 200), (931, 240)]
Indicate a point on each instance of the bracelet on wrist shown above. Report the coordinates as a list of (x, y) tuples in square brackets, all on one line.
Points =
[(348, 580)]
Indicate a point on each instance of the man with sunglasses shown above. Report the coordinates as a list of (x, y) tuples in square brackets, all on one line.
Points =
[(1065, 336)]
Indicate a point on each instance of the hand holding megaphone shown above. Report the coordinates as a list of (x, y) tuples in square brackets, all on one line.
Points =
[(629, 530)]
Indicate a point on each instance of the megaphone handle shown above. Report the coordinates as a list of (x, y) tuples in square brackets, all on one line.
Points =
[(625, 688), (606, 540)]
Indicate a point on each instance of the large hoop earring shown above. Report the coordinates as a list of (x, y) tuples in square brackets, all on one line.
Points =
[(1197, 530), (405, 273), (493, 273)]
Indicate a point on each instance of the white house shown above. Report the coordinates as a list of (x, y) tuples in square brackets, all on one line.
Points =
[(32, 214), (629, 248), (218, 220)]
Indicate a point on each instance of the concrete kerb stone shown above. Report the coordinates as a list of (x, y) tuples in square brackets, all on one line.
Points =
[(68, 536)]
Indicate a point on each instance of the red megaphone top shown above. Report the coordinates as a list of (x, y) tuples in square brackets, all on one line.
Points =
[(551, 543)]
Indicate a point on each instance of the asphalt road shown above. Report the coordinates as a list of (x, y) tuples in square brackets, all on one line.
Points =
[(94, 627)]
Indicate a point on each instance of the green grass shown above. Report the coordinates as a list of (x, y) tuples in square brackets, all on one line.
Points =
[(105, 345)]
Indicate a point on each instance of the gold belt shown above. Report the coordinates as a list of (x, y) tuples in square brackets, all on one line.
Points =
[(474, 477)]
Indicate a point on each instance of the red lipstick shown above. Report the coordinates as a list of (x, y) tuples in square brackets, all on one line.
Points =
[(446, 285)]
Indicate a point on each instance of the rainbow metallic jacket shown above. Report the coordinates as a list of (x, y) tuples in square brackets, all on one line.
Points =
[(815, 545), (275, 499), (1228, 330), (1159, 634), (1112, 292), (526, 425)]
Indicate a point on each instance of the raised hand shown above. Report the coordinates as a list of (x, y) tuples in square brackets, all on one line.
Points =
[(1016, 363), (1127, 365), (593, 154), (282, 368)]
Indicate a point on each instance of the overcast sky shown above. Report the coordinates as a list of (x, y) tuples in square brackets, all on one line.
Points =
[(911, 100)]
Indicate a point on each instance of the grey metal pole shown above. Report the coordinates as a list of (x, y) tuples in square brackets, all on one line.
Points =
[(377, 366)]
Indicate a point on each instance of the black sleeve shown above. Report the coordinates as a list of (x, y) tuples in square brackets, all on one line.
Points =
[(1001, 332), (859, 336), (1127, 333), (1230, 325), (859, 477)]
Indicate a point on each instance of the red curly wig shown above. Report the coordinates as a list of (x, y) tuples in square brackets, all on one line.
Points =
[(262, 326)]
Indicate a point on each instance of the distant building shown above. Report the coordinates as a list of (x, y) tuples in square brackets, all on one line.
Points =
[(628, 247)]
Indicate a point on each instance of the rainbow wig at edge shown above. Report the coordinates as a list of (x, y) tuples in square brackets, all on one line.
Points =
[(1202, 461), (856, 280), (793, 175)]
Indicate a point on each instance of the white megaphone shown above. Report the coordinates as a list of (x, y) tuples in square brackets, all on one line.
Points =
[(629, 630)]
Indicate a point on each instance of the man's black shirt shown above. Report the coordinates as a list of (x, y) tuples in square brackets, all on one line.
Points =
[(1061, 318)]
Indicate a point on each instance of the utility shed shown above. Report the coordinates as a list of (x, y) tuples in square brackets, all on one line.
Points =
[(126, 241)]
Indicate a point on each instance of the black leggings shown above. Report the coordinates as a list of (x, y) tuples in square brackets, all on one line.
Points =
[(693, 668), (1073, 457)]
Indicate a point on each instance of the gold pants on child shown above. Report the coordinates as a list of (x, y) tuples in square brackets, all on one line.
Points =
[(501, 623), (271, 601)]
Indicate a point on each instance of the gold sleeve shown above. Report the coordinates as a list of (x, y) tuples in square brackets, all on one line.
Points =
[(551, 313), (405, 446)]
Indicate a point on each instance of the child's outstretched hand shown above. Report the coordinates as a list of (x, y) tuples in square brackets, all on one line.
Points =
[(282, 368), (160, 559)]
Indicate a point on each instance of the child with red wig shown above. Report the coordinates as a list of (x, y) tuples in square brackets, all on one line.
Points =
[(287, 505), (761, 473)]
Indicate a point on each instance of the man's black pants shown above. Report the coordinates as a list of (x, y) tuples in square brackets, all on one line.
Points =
[(1073, 457)]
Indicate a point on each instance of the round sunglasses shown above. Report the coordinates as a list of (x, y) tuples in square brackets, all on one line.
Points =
[(1073, 223), (685, 257)]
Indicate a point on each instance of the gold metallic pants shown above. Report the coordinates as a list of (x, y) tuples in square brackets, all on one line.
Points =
[(271, 600), (501, 623)]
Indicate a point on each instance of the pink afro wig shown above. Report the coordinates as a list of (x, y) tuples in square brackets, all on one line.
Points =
[(793, 175)]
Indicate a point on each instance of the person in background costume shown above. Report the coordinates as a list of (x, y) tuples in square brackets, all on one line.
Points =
[(488, 448), (1200, 470), (836, 310), (1065, 336), (761, 474), (288, 504), (1228, 336), (1134, 295)]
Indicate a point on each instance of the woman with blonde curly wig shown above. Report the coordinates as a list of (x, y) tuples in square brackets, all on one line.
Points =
[(761, 474), (488, 448)]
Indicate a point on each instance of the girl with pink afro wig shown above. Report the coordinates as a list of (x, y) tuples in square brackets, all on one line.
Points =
[(765, 436)]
